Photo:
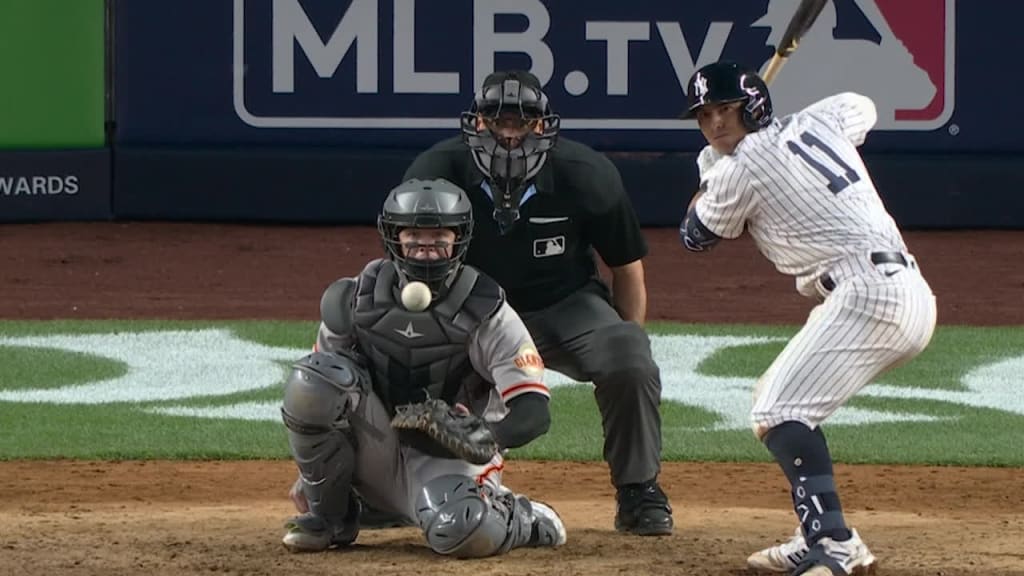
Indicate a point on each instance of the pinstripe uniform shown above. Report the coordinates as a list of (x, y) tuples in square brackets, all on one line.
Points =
[(802, 191)]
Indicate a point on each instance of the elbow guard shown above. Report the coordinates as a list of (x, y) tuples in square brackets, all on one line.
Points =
[(694, 235)]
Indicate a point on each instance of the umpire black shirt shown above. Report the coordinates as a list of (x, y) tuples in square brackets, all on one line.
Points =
[(579, 206)]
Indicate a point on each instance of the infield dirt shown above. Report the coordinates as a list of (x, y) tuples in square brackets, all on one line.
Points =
[(178, 518)]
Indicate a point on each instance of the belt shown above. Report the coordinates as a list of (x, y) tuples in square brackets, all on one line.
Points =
[(876, 258)]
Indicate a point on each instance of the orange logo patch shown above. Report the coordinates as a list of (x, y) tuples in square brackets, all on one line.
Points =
[(528, 359)]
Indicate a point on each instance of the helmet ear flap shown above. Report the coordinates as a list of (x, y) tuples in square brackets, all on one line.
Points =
[(757, 112), (753, 115)]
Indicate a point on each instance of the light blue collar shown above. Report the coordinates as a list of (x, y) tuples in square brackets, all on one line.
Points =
[(526, 196)]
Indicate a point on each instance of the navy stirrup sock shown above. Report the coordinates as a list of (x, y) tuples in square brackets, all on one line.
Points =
[(803, 455)]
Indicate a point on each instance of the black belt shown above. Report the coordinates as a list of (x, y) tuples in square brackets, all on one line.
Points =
[(876, 258)]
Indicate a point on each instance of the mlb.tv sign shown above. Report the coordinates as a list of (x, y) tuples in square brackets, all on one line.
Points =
[(607, 65)]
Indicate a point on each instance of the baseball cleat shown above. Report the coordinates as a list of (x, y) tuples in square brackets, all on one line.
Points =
[(311, 533), (643, 509), (547, 529), (783, 557), (831, 558), (849, 557), (819, 571)]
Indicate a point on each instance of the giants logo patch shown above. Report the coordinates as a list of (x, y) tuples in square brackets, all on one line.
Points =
[(529, 360)]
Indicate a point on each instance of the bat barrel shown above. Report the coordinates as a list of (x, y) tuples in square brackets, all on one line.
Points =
[(801, 22)]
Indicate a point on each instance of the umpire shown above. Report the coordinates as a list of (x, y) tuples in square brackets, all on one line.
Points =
[(541, 212)]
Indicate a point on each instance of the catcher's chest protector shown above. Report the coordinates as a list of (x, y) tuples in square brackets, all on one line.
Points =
[(419, 355)]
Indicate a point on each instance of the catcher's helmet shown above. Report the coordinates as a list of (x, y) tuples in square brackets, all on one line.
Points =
[(509, 164), (427, 204), (729, 82)]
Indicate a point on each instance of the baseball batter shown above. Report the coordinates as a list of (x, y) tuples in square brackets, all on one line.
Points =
[(468, 348), (798, 185)]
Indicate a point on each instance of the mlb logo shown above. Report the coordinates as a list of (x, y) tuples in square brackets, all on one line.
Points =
[(900, 54), (547, 247)]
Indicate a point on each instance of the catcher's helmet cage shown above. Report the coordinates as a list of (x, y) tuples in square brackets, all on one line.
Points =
[(427, 204), (729, 82), (507, 166)]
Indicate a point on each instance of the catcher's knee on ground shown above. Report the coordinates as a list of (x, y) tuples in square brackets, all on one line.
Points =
[(319, 394), (459, 519)]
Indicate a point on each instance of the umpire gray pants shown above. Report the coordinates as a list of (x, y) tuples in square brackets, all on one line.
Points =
[(583, 337)]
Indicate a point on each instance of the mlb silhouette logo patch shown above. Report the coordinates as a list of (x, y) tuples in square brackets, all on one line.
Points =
[(898, 53), (545, 247)]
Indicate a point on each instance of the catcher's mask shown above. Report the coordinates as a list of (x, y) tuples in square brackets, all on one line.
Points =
[(729, 82), (427, 204), (509, 130)]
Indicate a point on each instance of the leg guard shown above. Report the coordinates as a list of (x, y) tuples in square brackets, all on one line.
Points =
[(320, 393), (462, 519), (803, 455)]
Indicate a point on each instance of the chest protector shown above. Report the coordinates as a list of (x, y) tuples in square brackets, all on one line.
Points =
[(420, 355)]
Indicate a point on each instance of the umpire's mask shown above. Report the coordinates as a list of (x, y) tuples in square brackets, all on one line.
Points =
[(509, 130)]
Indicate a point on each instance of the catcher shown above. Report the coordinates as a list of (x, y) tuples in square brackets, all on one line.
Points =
[(408, 411)]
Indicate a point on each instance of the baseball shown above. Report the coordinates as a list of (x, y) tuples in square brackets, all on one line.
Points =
[(416, 296)]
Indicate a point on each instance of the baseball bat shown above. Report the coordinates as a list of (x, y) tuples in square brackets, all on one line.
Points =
[(802, 21)]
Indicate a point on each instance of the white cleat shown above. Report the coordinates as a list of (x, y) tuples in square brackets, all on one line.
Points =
[(784, 557), (548, 529), (852, 555)]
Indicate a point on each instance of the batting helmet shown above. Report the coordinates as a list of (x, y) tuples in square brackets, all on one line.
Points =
[(509, 102), (729, 82), (427, 204)]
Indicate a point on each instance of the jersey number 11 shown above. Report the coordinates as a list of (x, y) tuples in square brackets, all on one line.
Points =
[(836, 182)]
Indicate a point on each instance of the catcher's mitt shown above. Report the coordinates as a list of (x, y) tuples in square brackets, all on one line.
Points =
[(463, 434)]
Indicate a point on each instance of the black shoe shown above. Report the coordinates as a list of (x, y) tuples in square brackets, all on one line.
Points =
[(643, 510)]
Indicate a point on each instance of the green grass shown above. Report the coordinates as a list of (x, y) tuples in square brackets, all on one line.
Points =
[(26, 368), (978, 426), (117, 432)]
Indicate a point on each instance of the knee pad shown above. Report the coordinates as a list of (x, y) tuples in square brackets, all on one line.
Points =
[(321, 390), (319, 394), (459, 518), (626, 349)]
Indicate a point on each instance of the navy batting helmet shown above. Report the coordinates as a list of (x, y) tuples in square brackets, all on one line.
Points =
[(729, 82)]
